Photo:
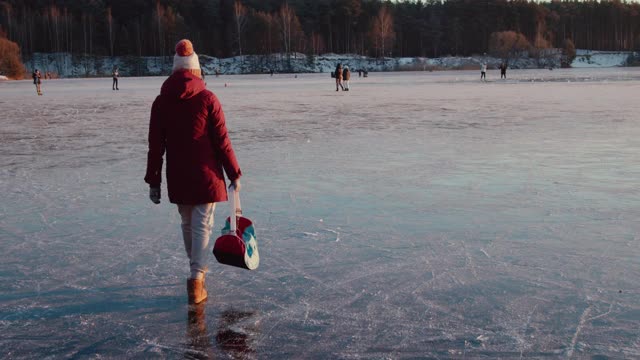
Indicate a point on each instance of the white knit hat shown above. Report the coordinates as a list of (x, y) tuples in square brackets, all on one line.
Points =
[(185, 58)]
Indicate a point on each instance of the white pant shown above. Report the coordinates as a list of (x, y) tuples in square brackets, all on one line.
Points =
[(197, 222), (346, 84)]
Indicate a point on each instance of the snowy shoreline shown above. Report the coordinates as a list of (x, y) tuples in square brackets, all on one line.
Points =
[(69, 65)]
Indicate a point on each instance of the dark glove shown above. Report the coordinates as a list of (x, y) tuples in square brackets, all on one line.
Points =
[(154, 194)]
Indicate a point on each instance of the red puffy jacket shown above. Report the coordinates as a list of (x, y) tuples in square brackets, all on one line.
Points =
[(188, 123)]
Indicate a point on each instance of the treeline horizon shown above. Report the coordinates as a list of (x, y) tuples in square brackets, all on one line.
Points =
[(225, 28)]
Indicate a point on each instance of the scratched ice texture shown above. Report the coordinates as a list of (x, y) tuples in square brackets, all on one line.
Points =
[(419, 215)]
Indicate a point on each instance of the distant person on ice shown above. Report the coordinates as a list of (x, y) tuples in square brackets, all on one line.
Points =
[(503, 70), (339, 77), (115, 75), (37, 80), (483, 71), (346, 75), (187, 122)]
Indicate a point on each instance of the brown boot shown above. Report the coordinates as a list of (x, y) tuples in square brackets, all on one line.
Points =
[(196, 291)]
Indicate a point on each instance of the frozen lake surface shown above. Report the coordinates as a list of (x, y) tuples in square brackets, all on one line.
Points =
[(420, 215)]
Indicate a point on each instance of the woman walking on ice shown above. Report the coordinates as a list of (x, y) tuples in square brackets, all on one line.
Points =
[(338, 75), (483, 71), (346, 76), (115, 74), (188, 123), (37, 80)]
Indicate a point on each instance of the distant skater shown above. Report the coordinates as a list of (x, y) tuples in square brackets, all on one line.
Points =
[(115, 75), (188, 124), (346, 75), (37, 80), (483, 72), (338, 74), (503, 71)]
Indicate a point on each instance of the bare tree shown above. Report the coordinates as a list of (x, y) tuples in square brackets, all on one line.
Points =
[(138, 35), (110, 25), (68, 24), (53, 17), (7, 8), (291, 32), (263, 25), (240, 14), (159, 20), (382, 31), (317, 43), (87, 26), (286, 17)]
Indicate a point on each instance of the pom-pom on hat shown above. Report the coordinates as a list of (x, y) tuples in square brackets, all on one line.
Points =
[(185, 58), (184, 47)]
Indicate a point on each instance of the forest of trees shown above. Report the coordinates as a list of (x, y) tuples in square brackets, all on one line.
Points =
[(225, 28)]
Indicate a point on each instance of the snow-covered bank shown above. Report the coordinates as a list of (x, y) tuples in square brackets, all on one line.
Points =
[(68, 65), (589, 58)]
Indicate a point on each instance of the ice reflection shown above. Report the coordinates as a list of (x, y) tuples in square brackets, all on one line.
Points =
[(236, 333), (198, 336)]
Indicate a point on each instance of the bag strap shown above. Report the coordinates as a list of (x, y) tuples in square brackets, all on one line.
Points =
[(235, 209), (237, 202)]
